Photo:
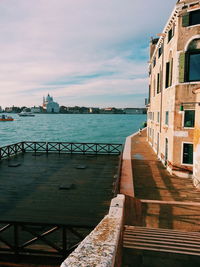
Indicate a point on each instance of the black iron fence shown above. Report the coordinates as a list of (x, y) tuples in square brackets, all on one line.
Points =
[(22, 238), (65, 147), (60, 147), (10, 150)]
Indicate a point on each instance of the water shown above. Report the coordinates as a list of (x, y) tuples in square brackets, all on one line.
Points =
[(70, 128)]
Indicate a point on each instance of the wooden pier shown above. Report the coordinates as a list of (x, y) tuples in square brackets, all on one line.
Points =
[(53, 194)]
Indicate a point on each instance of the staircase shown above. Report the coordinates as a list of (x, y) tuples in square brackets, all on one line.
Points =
[(161, 240)]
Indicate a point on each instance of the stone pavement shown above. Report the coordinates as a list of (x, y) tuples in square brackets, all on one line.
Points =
[(169, 201)]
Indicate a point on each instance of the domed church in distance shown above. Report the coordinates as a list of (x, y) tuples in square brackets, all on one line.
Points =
[(49, 105)]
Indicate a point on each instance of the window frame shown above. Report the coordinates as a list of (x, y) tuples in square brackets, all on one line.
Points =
[(170, 35), (183, 121), (167, 118), (182, 149), (160, 51), (158, 83), (190, 17), (187, 64), (158, 117), (167, 74)]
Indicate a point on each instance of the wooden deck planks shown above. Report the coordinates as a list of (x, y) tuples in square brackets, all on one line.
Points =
[(31, 191)]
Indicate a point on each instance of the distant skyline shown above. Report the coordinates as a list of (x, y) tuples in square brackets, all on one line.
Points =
[(85, 52)]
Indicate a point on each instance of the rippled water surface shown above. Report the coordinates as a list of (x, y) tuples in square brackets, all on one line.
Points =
[(70, 128)]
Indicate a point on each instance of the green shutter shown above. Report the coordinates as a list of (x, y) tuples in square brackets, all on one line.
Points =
[(186, 19), (160, 81), (170, 72), (182, 67)]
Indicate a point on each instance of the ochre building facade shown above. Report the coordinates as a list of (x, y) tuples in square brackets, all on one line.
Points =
[(173, 114)]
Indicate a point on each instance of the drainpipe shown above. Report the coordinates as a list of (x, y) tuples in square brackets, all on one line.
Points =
[(161, 101)]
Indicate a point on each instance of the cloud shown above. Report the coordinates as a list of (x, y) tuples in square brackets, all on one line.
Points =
[(76, 48)]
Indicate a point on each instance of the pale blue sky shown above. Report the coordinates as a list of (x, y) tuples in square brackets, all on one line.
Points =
[(83, 52)]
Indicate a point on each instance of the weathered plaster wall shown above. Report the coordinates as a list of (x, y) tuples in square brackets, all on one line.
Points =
[(196, 174)]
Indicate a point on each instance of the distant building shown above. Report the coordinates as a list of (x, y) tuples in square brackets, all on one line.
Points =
[(49, 105), (94, 110), (35, 109), (8, 109), (135, 110)]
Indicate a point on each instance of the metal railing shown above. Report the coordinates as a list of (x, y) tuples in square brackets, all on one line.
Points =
[(10, 150), (65, 147), (21, 238), (60, 147)]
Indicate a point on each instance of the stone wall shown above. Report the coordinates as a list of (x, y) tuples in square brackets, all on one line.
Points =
[(101, 246)]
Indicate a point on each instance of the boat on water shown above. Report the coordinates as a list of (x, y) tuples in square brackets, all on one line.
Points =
[(6, 118), (25, 113)]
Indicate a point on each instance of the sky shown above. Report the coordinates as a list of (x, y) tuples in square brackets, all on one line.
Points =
[(90, 53)]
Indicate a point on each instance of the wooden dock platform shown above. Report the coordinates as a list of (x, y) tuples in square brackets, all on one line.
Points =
[(56, 188)]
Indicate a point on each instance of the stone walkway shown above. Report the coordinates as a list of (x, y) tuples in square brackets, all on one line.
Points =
[(169, 201)]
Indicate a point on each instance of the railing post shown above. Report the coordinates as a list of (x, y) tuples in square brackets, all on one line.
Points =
[(16, 239), (47, 148), (23, 147), (64, 241)]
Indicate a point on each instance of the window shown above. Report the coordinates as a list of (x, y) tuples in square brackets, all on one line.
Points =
[(194, 66), (158, 83), (167, 117), (187, 153), (154, 87), (158, 116), (160, 51), (191, 18), (189, 117), (169, 73), (189, 63), (194, 17), (170, 34), (154, 61)]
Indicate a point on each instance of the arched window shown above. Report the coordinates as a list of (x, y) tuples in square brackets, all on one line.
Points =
[(189, 62), (193, 61)]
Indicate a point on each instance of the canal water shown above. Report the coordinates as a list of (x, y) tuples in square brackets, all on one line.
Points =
[(98, 128)]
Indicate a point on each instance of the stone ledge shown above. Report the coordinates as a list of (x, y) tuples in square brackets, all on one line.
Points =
[(99, 248)]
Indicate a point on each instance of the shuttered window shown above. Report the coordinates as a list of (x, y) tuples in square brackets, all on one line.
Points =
[(170, 72), (191, 18), (182, 68), (186, 19)]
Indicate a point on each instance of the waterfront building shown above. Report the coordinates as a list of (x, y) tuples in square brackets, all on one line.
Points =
[(49, 105), (35, 109), (134, 110), (9, 109), (174, 92)]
